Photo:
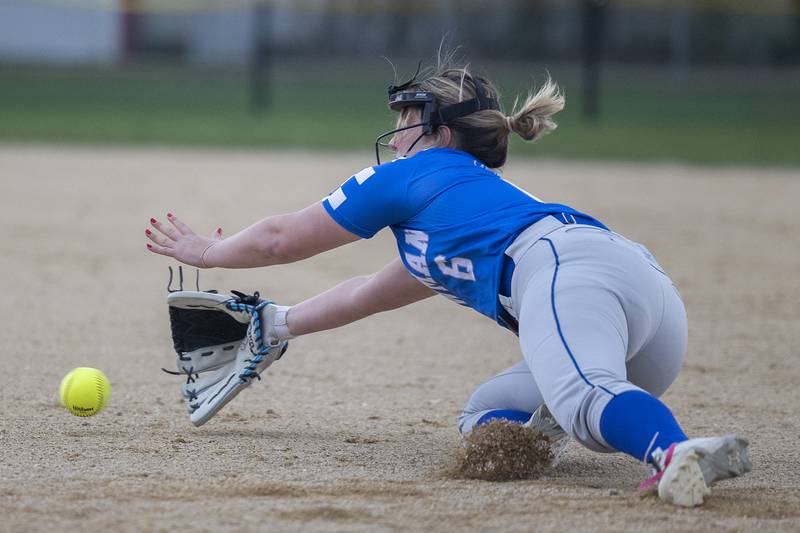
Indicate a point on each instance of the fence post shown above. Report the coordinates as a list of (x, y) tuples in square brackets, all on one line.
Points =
[(593, 17), (260, 94)]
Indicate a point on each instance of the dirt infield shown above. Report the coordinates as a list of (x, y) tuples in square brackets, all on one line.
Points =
[(352, 430)]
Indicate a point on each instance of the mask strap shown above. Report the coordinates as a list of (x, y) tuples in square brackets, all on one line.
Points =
[(392, 132), (421, 135)]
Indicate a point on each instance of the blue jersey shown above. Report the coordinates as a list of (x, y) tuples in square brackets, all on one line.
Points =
[(452, 217)]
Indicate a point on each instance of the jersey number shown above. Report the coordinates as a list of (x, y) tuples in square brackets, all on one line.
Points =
[(456, 267)]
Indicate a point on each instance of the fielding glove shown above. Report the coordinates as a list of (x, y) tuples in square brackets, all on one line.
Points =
[(221, 336)]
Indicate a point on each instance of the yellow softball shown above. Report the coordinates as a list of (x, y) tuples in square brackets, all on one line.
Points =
[(84, 391)]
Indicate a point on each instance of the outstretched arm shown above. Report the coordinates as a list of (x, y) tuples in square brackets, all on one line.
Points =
[(274, 240), (357, 298)]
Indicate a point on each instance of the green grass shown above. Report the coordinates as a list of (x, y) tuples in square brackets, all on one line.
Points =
[(183, 107)]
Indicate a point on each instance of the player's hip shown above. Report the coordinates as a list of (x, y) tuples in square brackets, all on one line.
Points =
[(564, 257), (578, 248)]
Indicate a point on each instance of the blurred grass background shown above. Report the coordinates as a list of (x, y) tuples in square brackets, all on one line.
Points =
[(322, 107)]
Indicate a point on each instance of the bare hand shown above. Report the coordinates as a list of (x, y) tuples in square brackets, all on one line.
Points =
[(180, 242)]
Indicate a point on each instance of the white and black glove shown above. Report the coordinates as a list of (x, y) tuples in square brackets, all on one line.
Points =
[(231, 339)]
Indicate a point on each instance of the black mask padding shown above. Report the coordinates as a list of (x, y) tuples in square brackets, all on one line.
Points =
[(479, 103)]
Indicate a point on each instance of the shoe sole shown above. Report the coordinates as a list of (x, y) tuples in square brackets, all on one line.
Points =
[(687, 480), (682, 483), (724, 458)]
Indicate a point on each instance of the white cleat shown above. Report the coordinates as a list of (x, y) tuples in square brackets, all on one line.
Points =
[(686, 470), (543, 421)]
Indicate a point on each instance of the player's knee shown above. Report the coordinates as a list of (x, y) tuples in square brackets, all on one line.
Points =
[(488, 395), (485, 404), (467, 421), (475, 407), (474, 404)]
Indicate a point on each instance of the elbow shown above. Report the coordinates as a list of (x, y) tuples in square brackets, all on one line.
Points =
[(276, 247), (284, 251), (280, 251)]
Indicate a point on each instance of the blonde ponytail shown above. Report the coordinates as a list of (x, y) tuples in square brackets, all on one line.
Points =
[(485, 133), (533, 118)]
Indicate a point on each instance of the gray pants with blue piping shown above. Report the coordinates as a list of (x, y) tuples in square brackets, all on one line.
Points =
[(597, 317)]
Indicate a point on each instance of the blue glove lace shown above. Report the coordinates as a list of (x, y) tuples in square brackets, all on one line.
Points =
[(254, 311)]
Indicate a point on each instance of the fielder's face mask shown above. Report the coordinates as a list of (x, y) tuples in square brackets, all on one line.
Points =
[(432, 115)]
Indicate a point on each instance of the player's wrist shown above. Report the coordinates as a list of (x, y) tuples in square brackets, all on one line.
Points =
[(205, 258), (278, 324)]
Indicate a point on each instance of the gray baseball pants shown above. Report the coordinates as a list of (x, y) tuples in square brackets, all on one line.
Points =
[(597, 315)]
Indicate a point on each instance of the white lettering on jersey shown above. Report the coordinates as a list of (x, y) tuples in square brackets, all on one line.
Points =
[(418, 263), (459, 267), (336, 198), (417, 239), (364, 175)]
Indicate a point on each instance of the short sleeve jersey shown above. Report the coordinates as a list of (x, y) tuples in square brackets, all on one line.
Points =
[(452, 217)]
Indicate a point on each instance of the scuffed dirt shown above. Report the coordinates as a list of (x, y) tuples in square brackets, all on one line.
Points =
[(502, 451)]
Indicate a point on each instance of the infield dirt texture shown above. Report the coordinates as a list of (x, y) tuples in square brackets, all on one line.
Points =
[(353, 429)]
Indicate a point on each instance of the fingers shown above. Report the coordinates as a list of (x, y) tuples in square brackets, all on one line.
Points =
[(166, 230), (155, 248), (176, 239), (158, 239), (183, 228)]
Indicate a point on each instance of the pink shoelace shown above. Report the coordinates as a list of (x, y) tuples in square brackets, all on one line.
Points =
[(657, 477)]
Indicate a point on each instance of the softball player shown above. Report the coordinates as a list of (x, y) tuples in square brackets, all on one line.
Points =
[(601, 326)]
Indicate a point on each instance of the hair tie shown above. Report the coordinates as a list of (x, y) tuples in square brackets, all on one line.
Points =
[(508, 123)]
